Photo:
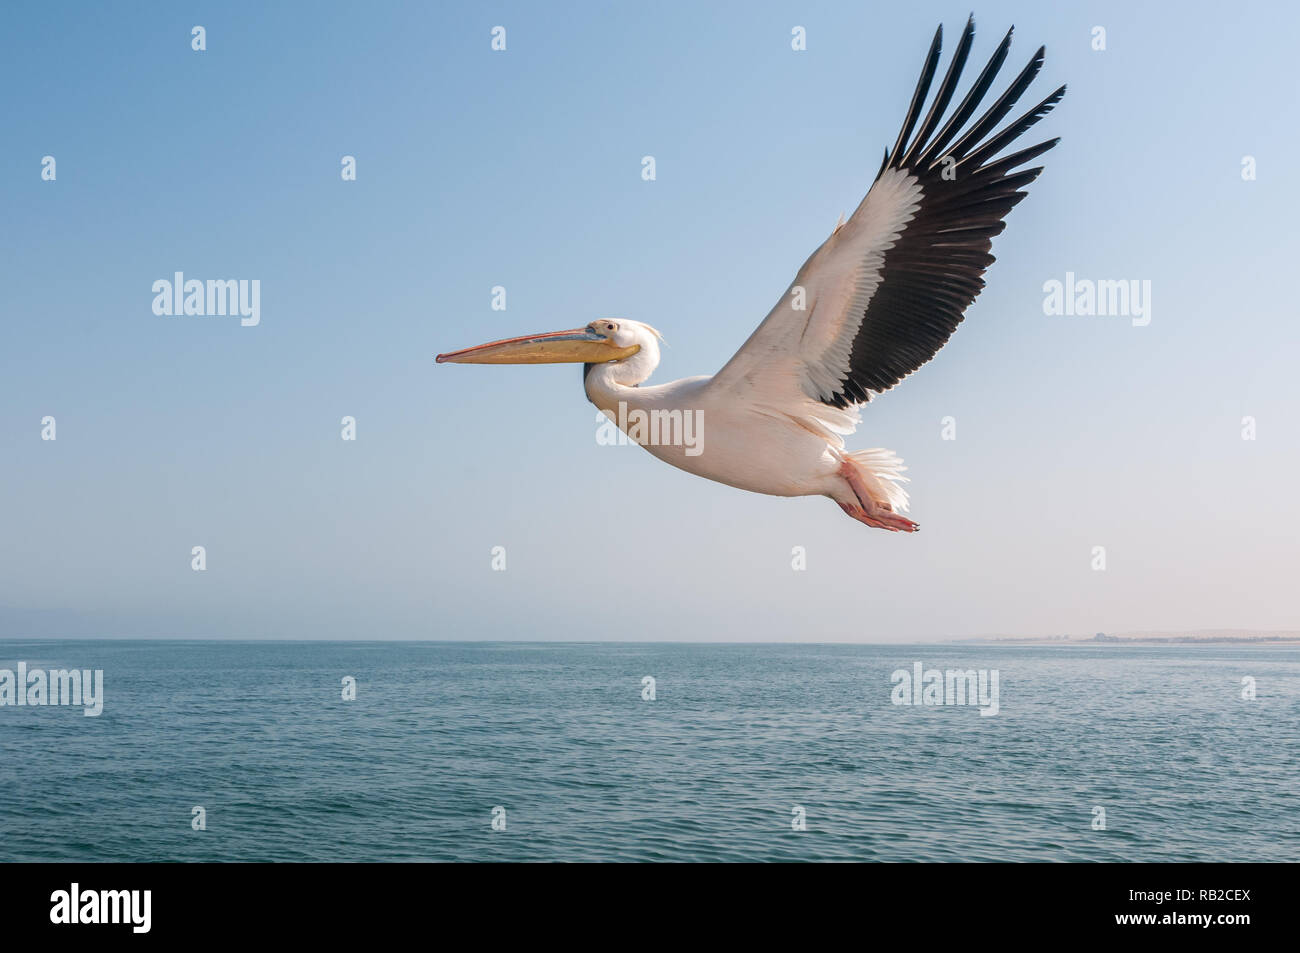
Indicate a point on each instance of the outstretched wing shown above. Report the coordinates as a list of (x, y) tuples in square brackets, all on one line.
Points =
[(886, 290)]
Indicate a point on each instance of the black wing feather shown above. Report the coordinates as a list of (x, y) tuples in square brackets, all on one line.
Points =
[(935, 269), (972, 100), (922, 89), (946, 90)]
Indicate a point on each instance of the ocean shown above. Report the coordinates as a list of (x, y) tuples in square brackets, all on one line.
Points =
[(557, 752)]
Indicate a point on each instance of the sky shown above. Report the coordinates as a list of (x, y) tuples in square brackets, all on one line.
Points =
[(522, 168)]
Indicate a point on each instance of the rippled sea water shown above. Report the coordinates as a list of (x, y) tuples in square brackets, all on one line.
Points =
[(711, 769)]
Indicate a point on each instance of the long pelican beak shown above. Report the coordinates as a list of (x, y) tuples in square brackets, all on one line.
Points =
[(579, 346)]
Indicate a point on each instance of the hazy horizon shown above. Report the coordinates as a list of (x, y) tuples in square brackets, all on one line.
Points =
[(1209, 636)]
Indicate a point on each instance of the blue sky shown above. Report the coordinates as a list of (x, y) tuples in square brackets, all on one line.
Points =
[(522, 169)]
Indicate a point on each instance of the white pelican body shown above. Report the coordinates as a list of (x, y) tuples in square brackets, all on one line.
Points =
[(876, 301), (800, 457)]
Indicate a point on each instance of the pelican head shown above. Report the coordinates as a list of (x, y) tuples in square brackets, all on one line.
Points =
[(600, 342)]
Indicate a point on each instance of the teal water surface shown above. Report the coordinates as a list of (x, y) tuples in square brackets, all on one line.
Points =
[(736, 739)]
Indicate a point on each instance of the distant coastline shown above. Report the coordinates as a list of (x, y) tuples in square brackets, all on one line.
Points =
[(1198, 637)]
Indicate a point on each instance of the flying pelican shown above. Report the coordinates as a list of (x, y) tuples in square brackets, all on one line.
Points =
[(876, 301)]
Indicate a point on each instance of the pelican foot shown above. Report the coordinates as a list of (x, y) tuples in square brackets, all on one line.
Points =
[(882, 518), (873, 512)]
